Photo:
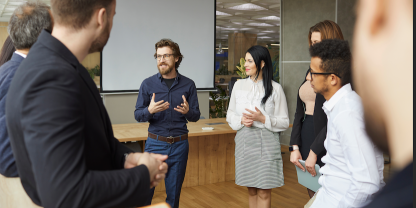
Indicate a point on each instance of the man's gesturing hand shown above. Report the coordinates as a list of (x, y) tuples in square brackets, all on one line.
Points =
[(157, 107), (184, 108)]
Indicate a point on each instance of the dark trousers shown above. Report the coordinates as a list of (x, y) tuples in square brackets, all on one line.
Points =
[(177, 160)]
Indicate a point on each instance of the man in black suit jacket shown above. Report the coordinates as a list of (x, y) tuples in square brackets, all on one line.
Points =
[(60, 132)]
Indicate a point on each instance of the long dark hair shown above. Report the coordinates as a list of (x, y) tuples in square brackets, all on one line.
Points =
[(260, 53), (7, 51)]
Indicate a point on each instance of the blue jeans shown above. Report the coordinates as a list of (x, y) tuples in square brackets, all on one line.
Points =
[(177, 160)]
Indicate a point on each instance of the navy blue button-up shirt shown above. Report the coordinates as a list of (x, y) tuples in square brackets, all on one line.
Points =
[(168, 122)]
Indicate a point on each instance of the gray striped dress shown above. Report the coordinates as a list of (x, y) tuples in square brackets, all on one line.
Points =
[(258, 159)]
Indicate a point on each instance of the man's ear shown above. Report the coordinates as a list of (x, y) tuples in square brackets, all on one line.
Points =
[(176, 59), (102, 18), (334, 79), (378, 18)]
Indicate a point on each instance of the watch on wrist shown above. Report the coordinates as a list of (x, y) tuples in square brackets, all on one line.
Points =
[(293, 148), (125, 157)]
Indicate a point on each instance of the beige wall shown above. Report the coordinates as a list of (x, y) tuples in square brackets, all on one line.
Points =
[(296, 18), (89, 62), (3, 33)]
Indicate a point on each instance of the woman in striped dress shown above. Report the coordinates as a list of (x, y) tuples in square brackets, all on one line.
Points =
[(258, 111)]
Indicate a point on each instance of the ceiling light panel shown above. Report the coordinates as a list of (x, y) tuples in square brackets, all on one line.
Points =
[(219, 13), (7, 8), (269, 31), (259, 24), (267, 18), (248, 7)]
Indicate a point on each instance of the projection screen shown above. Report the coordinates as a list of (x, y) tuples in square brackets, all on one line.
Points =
[(127, 59)]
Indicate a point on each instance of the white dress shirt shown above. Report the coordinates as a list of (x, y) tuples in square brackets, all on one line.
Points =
[(248, 94), (353, 169), (21, 54)]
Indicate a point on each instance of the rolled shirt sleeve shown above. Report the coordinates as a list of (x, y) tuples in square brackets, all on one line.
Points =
[(142, 114), (193, 114)]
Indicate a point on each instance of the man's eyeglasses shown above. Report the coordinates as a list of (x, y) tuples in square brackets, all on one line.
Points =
[(165, 56), (325, 73)]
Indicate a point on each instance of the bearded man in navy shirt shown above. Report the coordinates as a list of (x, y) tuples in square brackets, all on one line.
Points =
[(168, 100)]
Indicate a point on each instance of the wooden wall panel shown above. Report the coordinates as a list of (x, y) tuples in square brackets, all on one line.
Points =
[(230, 158), (213, 157), (3, 33), (92, 60), (238, 44), (222, 156), (210, 160), (192, 169), (205, 164)]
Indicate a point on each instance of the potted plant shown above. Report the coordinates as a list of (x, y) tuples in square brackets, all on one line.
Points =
[(241, 69), (220, 104)]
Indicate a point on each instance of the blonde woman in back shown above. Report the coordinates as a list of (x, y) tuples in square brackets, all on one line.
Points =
[(309, 125)]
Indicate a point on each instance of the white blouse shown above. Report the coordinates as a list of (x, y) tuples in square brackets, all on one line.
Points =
[(248, 94)]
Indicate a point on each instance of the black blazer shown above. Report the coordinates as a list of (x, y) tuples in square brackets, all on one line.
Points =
[(319, 122), (62, 137)]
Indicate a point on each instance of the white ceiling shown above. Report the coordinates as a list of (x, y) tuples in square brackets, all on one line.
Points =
[(7, 8), (261, 17)]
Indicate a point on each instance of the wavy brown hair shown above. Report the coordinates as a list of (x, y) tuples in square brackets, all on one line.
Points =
[(7, 51), (77, 13), (175, 50), (328, 30)]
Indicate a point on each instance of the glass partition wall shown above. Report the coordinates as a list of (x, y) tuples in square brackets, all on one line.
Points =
[(239, 26)]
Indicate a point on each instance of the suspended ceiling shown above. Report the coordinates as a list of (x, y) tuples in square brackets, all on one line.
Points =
[(261, 17), (7, 8)]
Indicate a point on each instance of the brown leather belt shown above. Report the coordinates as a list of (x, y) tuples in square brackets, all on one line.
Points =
[(170, 139)]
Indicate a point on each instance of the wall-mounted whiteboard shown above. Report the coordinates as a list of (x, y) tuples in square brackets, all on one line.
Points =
[(127, 59)]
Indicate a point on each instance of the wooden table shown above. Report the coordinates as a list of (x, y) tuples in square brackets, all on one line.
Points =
[(211, 153), (138, 131)]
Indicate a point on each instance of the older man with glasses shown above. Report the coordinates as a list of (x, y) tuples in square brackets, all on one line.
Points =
[(353, 169), (168, 100)]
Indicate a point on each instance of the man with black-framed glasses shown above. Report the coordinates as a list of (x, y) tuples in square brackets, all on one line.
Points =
[(311, 73), (168, 100), (353, 169)]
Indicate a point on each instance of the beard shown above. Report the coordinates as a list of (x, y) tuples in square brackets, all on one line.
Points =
[(323, 90), (165, 71), (99, 43)]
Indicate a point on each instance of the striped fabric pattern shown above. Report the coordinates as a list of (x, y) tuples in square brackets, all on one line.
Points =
[(258, 159)]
